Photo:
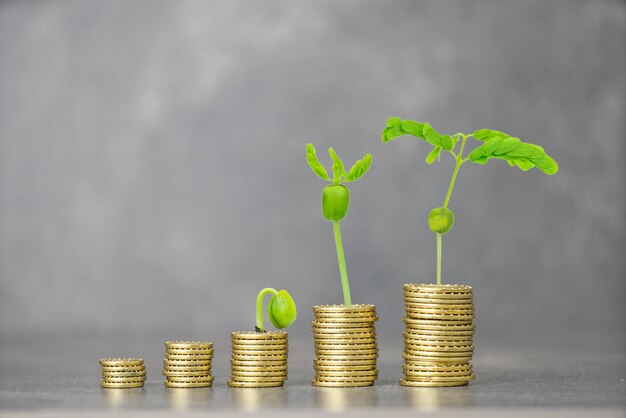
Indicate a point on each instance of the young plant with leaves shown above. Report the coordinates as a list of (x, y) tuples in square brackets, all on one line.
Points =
[(281, 310), (336, 200), (494, 144)]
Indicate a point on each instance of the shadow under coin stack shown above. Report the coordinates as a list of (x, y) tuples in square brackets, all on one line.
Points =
[(259, 359), (345, 345), (187, 364), (122, 373), (438, 336)]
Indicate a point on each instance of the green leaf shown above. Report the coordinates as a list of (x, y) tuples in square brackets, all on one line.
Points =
[(393, 121), (314, 163), (432, 156), (508, 145), (431, 135), (523, 164), (546, 164), (337, 165), (524, 150), (487, 134), (393, 129), (414, 128), (359, 168), (481, 160), (446, 142)]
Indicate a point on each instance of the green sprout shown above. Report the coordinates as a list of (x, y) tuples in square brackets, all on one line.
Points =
[(336, 200), (495, 144), (281, 310)]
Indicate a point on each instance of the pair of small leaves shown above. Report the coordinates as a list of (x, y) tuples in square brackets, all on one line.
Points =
[(339, 173), (517, 153)]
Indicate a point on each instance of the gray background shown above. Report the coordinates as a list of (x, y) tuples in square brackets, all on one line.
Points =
[(152, 171)]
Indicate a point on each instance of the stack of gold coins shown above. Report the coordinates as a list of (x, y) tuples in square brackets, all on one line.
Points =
[(438, 343), (187, 364), (345, 345), (122, 373), (259, 359)]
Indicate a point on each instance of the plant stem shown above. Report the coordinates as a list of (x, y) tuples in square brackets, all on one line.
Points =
[(457, 166), (259, 307), (438, 259), (459, 163), (342, 265)]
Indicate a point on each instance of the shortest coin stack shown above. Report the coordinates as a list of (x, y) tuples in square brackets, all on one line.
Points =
[(122, 373), (259, 359), (187, 364)]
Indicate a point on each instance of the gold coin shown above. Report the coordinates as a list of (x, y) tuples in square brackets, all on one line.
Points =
[(408, 357), (242, 384), (411, 383), (443, 378), (243, 378), (189, 344), (428, 335), (259, 373), (258, 353), (345, 360), (438, 348), (372, 373), (369, 363), (435, 344), (332, 344), (121, 362), (347, 356), (414, 310), (251, 335), (329, 323), (418, 375), (437, 303), (457, 318), (186, 373), (437, 354), (188, 384), (256, 368), (189, 352), (123, 379), (184, 369), (366, 316), (346, 350), (435, 365), (332, 378), (271, 349), (137, 373), (185, 379), (344, 368), (439, 324), (335, 322), (370, 335), (259, 363), (123, 368), (260, 344), (343, 308), (331, 384), (116, 385), (259, 358), (186, 363), (438, 289), (189, 357)]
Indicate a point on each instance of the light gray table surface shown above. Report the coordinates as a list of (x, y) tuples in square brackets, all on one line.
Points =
[(53, 376)]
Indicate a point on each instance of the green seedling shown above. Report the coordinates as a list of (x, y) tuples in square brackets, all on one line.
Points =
[(495, 144), (281, 310), (336, 200)]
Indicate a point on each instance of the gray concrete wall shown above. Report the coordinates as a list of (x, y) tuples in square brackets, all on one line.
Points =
[(152, 171)]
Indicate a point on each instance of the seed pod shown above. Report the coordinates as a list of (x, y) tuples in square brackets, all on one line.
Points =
[(282, 309), (335, 202), (440, 220)]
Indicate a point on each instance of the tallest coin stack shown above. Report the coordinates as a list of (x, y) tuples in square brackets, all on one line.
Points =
[(438, 343)]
